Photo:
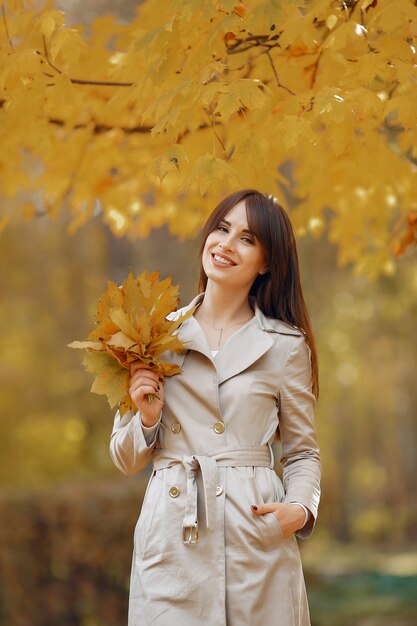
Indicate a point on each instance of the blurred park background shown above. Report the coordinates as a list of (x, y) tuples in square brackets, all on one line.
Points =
[(67, 515)]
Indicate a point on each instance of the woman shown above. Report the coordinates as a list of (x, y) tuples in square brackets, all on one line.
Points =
[(215, 541)]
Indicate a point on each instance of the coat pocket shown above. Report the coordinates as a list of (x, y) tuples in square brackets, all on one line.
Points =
[(158, 530), (262, 485)]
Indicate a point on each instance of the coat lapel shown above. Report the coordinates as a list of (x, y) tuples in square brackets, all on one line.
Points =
[(243, 348), (191, 333), (249, 343)]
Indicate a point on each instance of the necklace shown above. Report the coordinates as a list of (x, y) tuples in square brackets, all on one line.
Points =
[(225, 327)]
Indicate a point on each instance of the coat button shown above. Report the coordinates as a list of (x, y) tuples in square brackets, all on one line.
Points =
[(219, 490), (174, 492), (218, 428), (176, 428)]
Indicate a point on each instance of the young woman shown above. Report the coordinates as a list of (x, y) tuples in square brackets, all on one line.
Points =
[(215, 542)]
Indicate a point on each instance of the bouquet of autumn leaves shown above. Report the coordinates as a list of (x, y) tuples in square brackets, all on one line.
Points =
[(132, 325)]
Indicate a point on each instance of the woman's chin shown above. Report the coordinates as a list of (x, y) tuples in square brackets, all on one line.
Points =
[(218, 278), (215, 273)]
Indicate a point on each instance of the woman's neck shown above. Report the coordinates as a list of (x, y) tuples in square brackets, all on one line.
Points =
[(222, 307)]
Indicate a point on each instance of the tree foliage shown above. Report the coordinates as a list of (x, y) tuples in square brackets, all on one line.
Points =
[(152, 121)]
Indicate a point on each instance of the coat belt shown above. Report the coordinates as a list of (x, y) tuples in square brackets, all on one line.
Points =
[(207, 463)]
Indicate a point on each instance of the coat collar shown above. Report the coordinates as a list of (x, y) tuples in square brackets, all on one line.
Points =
[(256, 337)]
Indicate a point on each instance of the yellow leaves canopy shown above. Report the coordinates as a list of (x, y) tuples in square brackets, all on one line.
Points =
[(131, 326), (153, 121)]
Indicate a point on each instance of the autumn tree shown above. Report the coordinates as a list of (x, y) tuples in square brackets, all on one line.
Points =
[(150, 122)]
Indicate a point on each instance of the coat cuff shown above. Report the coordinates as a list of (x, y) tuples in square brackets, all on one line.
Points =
[(310, 503), (149, 432), (306, 512), (305, 531)]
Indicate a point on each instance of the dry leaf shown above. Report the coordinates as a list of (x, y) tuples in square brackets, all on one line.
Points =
[(132, 325)]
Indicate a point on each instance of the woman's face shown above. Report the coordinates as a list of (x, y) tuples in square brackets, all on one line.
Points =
[(232, 256)]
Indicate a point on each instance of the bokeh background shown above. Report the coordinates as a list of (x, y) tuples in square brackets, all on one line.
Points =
[(67, 515)]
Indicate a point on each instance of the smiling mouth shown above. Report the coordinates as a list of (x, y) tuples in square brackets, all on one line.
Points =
[(223, 260)]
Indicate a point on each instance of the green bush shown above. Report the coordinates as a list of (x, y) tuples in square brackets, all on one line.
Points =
[(66, 554)]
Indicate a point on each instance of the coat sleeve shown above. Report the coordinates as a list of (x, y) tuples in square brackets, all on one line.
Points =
[(131, 443), (300, 456)]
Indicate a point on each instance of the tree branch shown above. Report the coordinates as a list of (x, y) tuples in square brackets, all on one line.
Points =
[(103, 128), (80, 81), (315, 67), (6, 28), (365, 33), (102, 83), (253, 41), (268, 54)]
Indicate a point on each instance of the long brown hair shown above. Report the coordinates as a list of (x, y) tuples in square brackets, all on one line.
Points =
[(278, 292)]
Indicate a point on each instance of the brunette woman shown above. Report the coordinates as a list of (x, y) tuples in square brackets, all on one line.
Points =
[(215, 542)]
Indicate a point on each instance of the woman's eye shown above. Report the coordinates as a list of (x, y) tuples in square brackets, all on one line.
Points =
[(247, 240), (222, 228)]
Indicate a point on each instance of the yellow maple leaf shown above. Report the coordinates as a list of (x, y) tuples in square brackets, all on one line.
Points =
[(111, 379), (50, 20), (209, 169)]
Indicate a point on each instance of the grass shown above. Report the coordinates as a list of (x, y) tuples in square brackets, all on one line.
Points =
[(361, 585)]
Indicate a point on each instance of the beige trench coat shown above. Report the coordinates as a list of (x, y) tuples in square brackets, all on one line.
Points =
[(200, 555)]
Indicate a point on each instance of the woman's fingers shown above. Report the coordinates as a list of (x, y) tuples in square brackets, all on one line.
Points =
[(261, 509), (141, 387), (139, 379), (290, 517), (149, 410), (144, 376), (145, 382), (137, 365)]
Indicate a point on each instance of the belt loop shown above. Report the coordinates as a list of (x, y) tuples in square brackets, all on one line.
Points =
[(271, 455)]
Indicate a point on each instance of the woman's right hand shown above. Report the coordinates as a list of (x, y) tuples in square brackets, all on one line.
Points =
[(144, 381)]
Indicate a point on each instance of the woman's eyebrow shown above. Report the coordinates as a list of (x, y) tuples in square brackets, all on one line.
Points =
[(245, 230)]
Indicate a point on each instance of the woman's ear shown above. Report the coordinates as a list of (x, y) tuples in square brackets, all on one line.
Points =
[(263, 271)]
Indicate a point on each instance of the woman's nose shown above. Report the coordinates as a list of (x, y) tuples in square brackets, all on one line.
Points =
[(227, 242)]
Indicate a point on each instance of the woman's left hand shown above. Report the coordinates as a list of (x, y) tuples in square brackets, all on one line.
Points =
[(290, 516)]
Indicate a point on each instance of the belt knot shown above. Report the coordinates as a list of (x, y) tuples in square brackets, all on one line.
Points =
[(207, 464)]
